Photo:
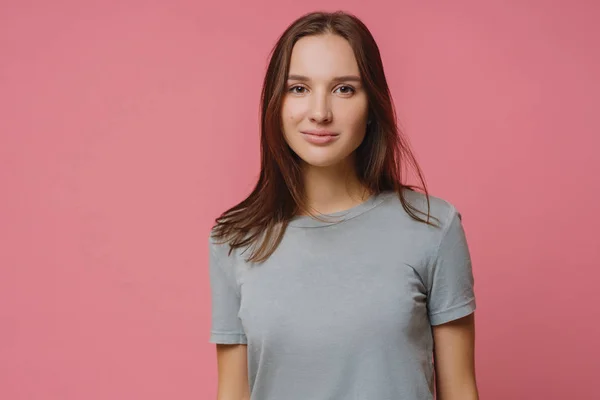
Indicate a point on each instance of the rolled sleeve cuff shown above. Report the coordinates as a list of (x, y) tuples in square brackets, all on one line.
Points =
[(453, 313), (227, 338)]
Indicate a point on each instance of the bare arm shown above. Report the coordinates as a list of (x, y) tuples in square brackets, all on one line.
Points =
[(454, 354), (233, 372)]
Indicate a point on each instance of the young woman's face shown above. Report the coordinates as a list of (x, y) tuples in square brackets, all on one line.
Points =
[(324, 94)]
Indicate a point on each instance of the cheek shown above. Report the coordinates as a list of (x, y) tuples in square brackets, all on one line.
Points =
[(291, 119), (355, 119), (353, 114), (291, 114)]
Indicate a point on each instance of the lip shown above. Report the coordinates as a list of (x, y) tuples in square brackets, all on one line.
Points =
[(319, 136), (320, 132)]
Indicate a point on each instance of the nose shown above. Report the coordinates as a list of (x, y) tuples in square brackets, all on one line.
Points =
[(321, 110)]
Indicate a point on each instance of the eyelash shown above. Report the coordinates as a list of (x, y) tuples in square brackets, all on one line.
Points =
[(291, 89)]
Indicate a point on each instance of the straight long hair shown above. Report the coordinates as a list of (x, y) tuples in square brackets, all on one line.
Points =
[(260, 220)]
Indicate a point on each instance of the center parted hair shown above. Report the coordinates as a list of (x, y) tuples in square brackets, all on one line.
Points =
[(259, 221)]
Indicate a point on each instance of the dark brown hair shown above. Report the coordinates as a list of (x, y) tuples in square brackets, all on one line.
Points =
[(261, 219)]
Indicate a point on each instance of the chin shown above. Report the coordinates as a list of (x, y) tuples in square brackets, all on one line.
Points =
[(321, 162), (322, 157)]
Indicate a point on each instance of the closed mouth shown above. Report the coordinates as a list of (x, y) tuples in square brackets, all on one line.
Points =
[(320, 134)]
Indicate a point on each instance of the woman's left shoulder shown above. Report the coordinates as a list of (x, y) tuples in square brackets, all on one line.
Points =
[(440, 208)]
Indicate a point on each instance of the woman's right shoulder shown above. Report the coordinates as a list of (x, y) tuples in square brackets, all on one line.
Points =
[(220, 245), (215, 242)]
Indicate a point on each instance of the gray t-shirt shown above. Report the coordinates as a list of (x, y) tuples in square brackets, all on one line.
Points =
[(343, 310)]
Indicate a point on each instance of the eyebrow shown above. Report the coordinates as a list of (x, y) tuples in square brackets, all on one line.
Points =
[(336, 79)]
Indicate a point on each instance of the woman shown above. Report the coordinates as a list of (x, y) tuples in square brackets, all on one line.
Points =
[(330, 281)]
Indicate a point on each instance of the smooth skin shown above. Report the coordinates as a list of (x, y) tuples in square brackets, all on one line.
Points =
[(232, 369), (316, 99)]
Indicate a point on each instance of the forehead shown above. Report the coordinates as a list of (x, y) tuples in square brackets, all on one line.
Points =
[(322, 57)]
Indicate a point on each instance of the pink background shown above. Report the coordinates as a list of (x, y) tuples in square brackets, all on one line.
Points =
[(127, 127)]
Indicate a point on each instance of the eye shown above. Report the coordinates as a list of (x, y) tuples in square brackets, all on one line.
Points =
[(346, 89), (292, 89), (349, 89)]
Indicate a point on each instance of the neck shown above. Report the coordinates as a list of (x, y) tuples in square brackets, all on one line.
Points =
[(334, 188)]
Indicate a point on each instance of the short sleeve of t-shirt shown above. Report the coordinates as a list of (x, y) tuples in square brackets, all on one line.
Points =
[(226, 326), (450, 278)]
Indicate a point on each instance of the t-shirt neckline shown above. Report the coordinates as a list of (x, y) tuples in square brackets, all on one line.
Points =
[(307, 221)]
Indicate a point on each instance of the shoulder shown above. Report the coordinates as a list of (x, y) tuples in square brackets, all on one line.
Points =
[(219, 249), (223, 254), (441, 211), (419, 240)]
